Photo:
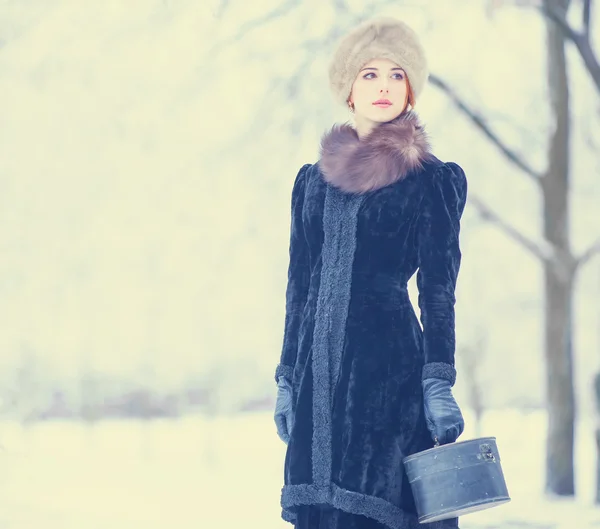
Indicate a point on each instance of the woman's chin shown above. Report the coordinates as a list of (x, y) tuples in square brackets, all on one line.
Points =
[(382, 115)]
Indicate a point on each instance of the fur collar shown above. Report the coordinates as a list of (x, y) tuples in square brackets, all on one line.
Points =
[(386, 155)]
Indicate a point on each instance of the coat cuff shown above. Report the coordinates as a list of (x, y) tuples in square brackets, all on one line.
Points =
[(440, 370), (285, 371)]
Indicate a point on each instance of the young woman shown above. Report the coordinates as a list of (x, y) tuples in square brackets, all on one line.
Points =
[(360, 384)]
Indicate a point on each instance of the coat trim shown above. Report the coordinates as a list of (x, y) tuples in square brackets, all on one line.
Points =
[(345, 210), (439, 370), (284, 371), (340, 217), (352, 502), (390, 152)]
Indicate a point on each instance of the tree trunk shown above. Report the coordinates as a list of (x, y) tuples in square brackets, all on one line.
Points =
[(558, 274), (560, 391)]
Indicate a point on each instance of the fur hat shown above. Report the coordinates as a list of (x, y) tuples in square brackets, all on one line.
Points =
[(379, 38)]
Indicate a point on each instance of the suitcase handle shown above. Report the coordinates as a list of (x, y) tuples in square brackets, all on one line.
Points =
[(485, 450)]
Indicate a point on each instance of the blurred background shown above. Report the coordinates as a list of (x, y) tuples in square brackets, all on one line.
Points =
[(148, 150)]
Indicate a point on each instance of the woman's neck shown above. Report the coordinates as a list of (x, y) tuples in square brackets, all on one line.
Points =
[(363, 126)]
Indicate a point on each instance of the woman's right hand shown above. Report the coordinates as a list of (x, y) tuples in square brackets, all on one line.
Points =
[(284, 414), (442, 414)]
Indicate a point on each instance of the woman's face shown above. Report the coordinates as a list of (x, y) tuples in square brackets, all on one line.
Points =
[(379, 79)]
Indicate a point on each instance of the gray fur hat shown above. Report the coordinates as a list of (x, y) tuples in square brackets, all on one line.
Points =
[(378, 38)]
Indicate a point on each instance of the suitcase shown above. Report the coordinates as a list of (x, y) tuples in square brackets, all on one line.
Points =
[(455, 479)]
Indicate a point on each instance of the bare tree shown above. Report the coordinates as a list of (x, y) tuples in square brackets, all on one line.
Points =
[(559, 263), (581, 39), (556, 12), (559, 274)]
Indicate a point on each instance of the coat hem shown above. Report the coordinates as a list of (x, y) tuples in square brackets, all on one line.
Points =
[(352, 502)]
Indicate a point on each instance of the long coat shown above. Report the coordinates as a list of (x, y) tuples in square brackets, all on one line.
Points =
[(368, 215)]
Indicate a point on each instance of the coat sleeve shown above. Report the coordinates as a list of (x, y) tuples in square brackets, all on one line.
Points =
[(298, 279), (439, 258)]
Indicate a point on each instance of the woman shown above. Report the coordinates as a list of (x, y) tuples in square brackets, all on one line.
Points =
[(360, 384)]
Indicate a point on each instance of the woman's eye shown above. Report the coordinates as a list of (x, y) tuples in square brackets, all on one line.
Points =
[(399, 75)]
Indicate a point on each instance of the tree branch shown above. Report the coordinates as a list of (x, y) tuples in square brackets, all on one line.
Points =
[(481, 124), (588, 254), (221, 8), (544, 252), (581, 40), (560, 21), (587, 8), (251, 25)]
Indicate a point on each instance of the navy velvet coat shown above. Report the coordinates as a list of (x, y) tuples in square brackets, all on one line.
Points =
[(365, 218)]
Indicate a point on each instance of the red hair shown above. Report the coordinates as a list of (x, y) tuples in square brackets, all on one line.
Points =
[(410, 96)]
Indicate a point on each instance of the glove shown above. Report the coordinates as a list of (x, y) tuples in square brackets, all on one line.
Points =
[(284, 414), (442, 414)]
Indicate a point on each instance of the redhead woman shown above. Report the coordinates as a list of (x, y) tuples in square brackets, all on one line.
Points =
[(361, 383)]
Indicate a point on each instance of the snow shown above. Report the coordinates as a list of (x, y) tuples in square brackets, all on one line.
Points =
[(226, 471)]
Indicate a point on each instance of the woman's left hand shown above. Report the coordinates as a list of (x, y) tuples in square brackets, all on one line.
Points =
[(284, 413), (442, 414)]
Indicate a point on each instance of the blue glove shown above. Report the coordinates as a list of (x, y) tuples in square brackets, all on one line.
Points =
[(284, 414), (442, 414)]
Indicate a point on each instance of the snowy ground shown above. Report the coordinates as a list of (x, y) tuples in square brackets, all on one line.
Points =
[(226, 473)]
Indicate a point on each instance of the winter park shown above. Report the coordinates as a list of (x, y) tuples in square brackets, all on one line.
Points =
[(164, 307)]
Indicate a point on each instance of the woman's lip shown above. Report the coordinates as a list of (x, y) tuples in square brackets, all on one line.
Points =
[(382, 104)]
